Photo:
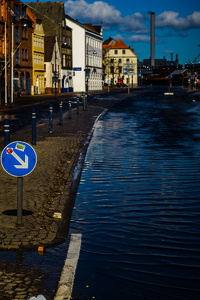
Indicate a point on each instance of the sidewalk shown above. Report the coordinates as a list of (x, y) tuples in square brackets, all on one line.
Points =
[(29, 100), (47, 190)]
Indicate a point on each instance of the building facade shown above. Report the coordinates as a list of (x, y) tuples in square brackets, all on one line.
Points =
[(21, 48), (37, 86), (119, 64), (52, 14), (87, 55), (93, 57), (52, 62), (78, 54), (15, 49)]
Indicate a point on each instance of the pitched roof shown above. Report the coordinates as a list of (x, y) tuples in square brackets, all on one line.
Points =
[(92, 27), (31, 16), (117, 45), (109, 41), (49, 42), (52, 13)]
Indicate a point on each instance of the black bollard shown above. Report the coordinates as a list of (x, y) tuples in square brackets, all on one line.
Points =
[(61, 113), (33, 126), (50, 118), (86, 96), (77, 105), (83, 99), (6, 132), (70, 110)]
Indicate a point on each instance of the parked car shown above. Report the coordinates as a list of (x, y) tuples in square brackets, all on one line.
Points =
[(121, 85)]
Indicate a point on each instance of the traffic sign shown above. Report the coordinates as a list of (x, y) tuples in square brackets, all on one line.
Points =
[(77, 69), (18, 159)]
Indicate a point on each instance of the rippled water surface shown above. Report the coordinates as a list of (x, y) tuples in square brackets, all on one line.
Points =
[(138, 204)]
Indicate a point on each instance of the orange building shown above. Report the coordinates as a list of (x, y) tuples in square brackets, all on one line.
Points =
[(15, 49)]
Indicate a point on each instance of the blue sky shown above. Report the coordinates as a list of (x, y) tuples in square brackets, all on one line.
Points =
[(177, 24)]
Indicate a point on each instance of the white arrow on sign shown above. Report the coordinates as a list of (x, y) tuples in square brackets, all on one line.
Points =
[(24, 163)]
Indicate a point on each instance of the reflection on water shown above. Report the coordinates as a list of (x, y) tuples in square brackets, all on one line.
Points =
[(138, 204)]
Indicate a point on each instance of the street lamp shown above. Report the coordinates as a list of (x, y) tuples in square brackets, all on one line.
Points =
[(6, 70), (3, 33), (110, 64), (55, 72), (11, 62)]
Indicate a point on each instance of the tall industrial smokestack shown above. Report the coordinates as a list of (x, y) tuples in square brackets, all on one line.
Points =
[(152, 54)]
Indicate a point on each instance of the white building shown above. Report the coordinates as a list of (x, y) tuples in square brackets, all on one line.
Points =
[(86, 56), (52, 64), (120, 63), (78, 54)]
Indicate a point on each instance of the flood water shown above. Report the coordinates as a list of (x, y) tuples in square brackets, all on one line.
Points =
[(137, 207), (138, 203)]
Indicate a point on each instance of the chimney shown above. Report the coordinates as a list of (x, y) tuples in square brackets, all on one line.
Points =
[(171, 54), (152, 54), (177, 60)]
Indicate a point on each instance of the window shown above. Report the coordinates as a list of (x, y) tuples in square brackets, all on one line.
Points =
[(127, 60), (24, 54), (120, 60), (22, 80), (116, 51), (23, 11), (17, 57), (16, 12), (123, 51), (69, 61), (24, 33), (64, 60), (16, 35), (112, 70), (15, 80)]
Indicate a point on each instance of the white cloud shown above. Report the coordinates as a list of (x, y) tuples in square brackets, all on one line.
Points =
[(133, 23), (170, 22), (139, 38), (142, 38), (172, 19), (194, 19), (95, 13)]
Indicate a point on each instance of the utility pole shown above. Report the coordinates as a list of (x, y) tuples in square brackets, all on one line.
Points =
[(6, 70)]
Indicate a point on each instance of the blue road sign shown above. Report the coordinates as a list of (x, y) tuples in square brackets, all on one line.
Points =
[(18, 159), (76, 69)]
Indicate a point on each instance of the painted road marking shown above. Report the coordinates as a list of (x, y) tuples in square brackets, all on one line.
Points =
[(65, 285)]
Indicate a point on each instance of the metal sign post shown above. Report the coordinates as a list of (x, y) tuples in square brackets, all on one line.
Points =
[(129, 70), (19, 200), (19, 159)]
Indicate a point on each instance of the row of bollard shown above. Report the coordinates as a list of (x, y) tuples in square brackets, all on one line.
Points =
[(7, 125)]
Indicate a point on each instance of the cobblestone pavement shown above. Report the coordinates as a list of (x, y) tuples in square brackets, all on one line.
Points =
[(46, 191)]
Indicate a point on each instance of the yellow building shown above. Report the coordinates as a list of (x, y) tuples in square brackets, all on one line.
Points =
[(38, 84), (120, 64)]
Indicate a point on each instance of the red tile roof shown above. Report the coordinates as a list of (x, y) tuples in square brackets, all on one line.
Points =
[(90, 26), (118, 45)]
